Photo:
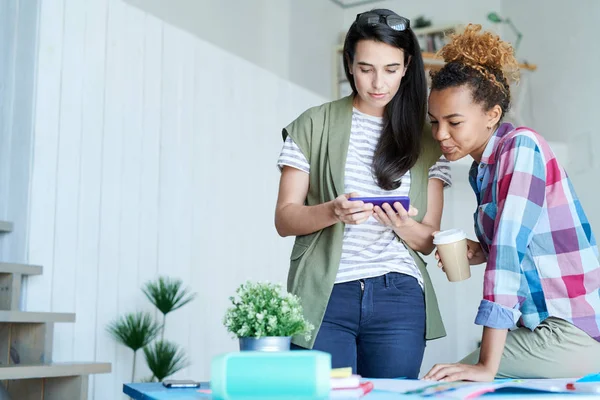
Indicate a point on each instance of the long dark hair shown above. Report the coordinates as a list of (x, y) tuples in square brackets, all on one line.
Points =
[(399, 146)]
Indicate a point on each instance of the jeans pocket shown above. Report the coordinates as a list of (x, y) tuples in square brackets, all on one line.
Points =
[(407, 301), (404, 283)]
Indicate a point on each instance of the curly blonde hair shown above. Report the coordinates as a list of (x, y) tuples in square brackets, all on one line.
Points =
[(481, 60)]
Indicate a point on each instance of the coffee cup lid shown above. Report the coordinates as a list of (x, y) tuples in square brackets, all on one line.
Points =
[(449, 236)]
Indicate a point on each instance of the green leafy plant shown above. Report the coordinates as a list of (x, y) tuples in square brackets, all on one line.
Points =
[(139, 330), (167, 295), (263, 309), (164, 359), (134, 330)]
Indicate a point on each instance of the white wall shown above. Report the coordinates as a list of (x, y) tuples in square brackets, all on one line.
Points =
[(18, 41), (439, 11), (155, 153), (294, 39), (561, 38), (315, 27)]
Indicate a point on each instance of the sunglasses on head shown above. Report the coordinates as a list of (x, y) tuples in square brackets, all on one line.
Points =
[(394, 21)]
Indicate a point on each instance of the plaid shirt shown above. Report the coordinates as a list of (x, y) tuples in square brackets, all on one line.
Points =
[(542, 254)]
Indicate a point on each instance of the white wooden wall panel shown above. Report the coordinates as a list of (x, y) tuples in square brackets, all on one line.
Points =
[(9, 16), (8, 36), (45, 153), (18, 55), (130, 115), (89, 217), (66, 227), (155, 153), (18, 48), (110, 209)]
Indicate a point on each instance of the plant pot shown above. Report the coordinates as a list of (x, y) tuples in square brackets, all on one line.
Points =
[(266, 343)]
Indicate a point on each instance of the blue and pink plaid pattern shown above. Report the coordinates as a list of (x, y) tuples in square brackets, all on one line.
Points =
[(542, 254)]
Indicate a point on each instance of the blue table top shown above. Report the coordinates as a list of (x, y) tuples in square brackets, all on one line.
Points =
[(156, 391)]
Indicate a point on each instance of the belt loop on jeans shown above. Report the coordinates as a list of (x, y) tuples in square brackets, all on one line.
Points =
[(386, 280)]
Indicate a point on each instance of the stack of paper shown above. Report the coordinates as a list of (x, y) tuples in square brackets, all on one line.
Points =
[(345, 385)]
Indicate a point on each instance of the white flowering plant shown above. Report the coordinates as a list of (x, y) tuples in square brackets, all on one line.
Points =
[(264, 309)]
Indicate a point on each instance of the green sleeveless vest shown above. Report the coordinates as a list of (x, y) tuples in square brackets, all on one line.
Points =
[(323, 133)]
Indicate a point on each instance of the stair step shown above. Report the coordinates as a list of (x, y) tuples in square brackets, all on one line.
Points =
[(24, 269), (53, 370), (6, 226), (35, 317)]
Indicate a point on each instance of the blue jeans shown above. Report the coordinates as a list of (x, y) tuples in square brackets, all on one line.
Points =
[(376, 326)]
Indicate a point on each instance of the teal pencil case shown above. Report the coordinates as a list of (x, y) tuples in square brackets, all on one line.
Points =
[(299, 374)]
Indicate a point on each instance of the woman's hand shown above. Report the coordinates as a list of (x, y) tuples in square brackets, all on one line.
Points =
[(492, 346), (396, 217), (460, 372), (475, 254), (351, 212)]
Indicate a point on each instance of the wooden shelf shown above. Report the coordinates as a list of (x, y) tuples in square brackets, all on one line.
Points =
[(437, 29), (53, 370), (6, 226), (27, 317), (430, 59), (23, 269)]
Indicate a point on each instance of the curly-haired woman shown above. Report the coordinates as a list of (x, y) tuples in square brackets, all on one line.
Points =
[(542, 274)]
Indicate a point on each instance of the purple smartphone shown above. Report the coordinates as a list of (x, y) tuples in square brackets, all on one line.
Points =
[(379, 200)]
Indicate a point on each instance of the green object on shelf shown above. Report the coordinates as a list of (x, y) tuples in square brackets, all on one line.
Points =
[(495, 18)]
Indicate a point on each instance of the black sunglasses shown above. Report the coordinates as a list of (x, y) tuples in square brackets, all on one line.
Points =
[(395, 22)]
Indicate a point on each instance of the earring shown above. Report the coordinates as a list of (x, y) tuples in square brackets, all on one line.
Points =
[(489, 127)]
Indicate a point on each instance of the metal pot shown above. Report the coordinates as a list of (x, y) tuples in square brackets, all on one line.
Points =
[(266, 343)]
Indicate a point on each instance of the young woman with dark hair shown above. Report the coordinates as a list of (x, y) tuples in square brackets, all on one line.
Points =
[(355, 266)]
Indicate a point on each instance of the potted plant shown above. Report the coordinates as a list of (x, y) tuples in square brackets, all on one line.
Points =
[(138, 330), (264, 317)]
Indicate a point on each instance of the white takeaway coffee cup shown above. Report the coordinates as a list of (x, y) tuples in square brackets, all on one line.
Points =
[(452, 248)]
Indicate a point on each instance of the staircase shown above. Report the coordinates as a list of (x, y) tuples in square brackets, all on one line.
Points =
[(26, 368)]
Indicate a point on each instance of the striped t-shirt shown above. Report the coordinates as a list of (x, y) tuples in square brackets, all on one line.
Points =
[(369, 249)]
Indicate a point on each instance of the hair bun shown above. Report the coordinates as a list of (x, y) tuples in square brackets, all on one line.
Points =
[(481, 49)]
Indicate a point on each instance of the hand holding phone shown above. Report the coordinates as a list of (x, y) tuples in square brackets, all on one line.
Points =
[(394, 218), (350, 212), (380, 200)]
